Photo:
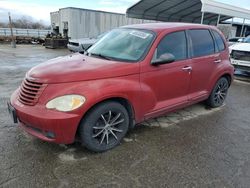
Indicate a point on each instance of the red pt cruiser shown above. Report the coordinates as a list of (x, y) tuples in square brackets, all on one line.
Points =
[(132, 74)]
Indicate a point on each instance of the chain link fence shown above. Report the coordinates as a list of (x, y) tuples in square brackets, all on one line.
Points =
[(5, 32)]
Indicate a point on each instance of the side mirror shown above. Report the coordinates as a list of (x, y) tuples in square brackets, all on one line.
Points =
[(164, 59)]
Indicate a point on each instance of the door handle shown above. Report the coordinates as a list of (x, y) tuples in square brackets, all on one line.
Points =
[(188, 69), (217, 61)]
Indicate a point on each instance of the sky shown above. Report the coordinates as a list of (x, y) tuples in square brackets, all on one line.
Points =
[(40, 10)]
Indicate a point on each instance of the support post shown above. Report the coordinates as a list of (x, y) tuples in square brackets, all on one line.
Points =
[(13, 42), (242, 28), (218, 20), (202, 17)]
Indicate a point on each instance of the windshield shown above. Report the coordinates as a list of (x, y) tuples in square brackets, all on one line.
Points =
[(247, 39), (123, 44)]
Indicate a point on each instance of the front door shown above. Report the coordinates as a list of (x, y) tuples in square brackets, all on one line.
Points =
[(167, 85)]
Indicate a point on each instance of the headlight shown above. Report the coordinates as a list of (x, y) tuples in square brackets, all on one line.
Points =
[(66, 103)]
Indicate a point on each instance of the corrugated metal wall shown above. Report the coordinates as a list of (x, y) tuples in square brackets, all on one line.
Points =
[(87, 23), (54, 18)]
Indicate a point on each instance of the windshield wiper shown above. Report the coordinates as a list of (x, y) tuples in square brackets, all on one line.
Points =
[(101, 56)]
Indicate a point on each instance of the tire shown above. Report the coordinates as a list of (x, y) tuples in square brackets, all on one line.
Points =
[(219, 93), (104, 126)]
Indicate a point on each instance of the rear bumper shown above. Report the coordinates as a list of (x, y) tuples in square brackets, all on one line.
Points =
[(47, 125)]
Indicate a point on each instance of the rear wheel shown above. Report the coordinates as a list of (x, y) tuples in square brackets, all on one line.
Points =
[(104, 126), (219, 93)]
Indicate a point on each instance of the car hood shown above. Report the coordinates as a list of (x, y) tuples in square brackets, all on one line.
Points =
[(83, 40), (89, 41), (78, 67), (240, 47)]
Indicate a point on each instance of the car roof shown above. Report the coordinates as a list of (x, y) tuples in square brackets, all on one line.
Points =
[(158, 27)]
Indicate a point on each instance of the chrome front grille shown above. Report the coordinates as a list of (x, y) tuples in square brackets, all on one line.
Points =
[(74, 43), (240, 55), (30, 92)]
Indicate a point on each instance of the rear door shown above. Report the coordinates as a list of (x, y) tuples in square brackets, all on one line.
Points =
[(205, 59)]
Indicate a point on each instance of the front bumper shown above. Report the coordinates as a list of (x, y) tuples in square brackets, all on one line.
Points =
[(241, 65), (47, 125)]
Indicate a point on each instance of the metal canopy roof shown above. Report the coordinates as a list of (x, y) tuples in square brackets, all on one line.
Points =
[(185, 11)]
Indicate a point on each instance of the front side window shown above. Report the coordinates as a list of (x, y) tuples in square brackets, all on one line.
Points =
[(202, 42), (174, 43), (123, 44)]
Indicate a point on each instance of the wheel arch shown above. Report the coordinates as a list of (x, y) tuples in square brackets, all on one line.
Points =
[(124, 102), (209, 101), (216, 77), (228, 77), (121, 100)]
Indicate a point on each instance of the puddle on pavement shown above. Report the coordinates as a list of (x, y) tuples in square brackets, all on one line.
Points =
[(70, 157)]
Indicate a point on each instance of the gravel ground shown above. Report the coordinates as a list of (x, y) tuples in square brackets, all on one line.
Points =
[(193, 147)]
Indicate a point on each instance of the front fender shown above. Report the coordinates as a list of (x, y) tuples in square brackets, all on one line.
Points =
[(96, 91)]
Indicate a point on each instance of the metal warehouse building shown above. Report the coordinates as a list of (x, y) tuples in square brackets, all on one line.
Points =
[(83, 23)]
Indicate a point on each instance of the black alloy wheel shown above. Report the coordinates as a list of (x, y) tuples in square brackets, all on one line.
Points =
[(104, 126)]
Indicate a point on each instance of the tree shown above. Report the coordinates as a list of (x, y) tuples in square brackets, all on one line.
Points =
[(26, 22), (3, 25)]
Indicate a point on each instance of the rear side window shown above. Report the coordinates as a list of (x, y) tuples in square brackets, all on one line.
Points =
[(219, 40), (174, 43), (202, 42)]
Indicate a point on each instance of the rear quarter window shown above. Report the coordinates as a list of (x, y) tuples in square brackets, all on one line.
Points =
[(202, 42), (219, 40)]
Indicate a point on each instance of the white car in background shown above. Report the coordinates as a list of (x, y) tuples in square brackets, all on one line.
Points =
[(235, 40), (240, 55), (81, 45)]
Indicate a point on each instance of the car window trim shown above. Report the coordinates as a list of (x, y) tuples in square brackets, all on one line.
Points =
[(189, 44)]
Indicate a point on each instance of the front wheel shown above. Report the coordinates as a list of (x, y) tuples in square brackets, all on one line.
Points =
[(104, 126), (219, 93)]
